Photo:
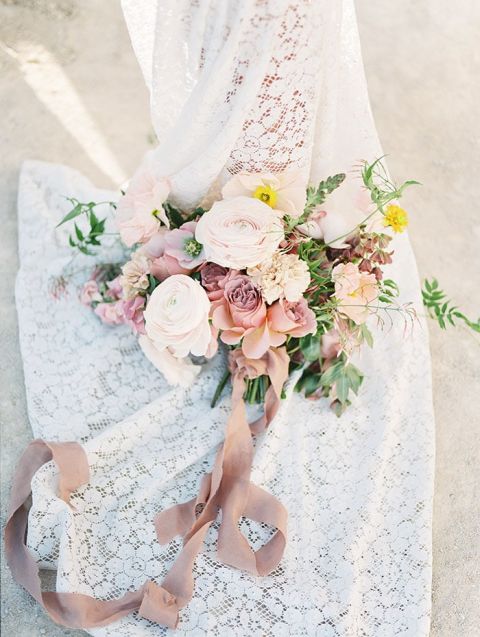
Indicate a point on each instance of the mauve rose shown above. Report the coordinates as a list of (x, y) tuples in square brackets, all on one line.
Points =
[(295, 319), (214, 279), (133, 311), (245, 302), (212, 276), (242, 309)]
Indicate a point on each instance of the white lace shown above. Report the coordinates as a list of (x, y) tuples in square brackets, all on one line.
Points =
[(358, 489)]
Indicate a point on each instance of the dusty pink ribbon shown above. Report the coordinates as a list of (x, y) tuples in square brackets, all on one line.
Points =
[(226, 488)]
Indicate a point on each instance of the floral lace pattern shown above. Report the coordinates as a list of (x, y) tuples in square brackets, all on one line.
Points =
[(358, 489)]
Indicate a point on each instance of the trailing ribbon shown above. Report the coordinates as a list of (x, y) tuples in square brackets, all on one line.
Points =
[(226, 488)]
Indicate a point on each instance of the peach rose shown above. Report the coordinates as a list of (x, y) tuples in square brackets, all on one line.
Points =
[(283, 192), (355, 290), (295, 319), (239, 233), (176, 317)]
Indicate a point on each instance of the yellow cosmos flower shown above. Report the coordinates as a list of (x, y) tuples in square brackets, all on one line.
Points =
[(396, 218), (266, 194)]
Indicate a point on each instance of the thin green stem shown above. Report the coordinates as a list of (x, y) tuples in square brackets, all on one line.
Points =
[(220, 388)]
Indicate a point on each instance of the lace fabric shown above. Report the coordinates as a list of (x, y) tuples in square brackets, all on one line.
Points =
[(235, 86)]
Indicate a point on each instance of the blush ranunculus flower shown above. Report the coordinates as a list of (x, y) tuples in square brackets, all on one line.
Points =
[(177, 371), (239, 233), (355, 290), (140, 211), (176, 317), (292, 319), (283, 192)]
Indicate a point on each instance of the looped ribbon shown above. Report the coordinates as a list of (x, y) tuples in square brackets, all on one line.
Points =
[(227, 489)]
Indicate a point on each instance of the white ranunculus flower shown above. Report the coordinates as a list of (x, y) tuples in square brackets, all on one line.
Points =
[(177, 317), (177, 371), (239, 233)]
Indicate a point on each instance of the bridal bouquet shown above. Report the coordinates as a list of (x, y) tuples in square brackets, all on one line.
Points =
[(271, 268)]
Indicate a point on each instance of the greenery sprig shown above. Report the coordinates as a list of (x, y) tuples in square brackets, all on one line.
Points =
[(83, 240), (316, 195), (441, 309)]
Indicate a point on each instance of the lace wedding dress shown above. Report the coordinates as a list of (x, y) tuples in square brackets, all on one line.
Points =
[(255, 85)]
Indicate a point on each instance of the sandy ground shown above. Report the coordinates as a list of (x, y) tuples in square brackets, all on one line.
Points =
[(71, 93)]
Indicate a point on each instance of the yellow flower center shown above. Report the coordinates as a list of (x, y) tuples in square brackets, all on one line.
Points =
[(267, 195), (396, 218)]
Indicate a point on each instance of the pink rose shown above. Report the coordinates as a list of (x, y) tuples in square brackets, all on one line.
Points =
[(239, 233), (140, 211), (133, 312), (110, 313), (295, 319), (355, 290), (181, 245), (90, 293)]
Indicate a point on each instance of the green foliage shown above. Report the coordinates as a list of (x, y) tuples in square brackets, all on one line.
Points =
[(382, 190), (316, 195), (152, 284), (441, 309), (85, 240), (341, 376), (174, 215), (310, 347), (389, 291)]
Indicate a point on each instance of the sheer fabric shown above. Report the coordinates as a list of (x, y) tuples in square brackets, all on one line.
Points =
[(256, 85)]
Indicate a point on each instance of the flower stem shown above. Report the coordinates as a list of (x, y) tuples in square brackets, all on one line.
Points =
[(220, 388)]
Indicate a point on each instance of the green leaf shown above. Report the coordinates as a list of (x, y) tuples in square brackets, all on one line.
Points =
[(332, 373), (75, 212), (367, 335), (78, 232), (174, 215), (310, 347)]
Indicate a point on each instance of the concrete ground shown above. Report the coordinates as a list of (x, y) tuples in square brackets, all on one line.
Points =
[(71, 93)]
